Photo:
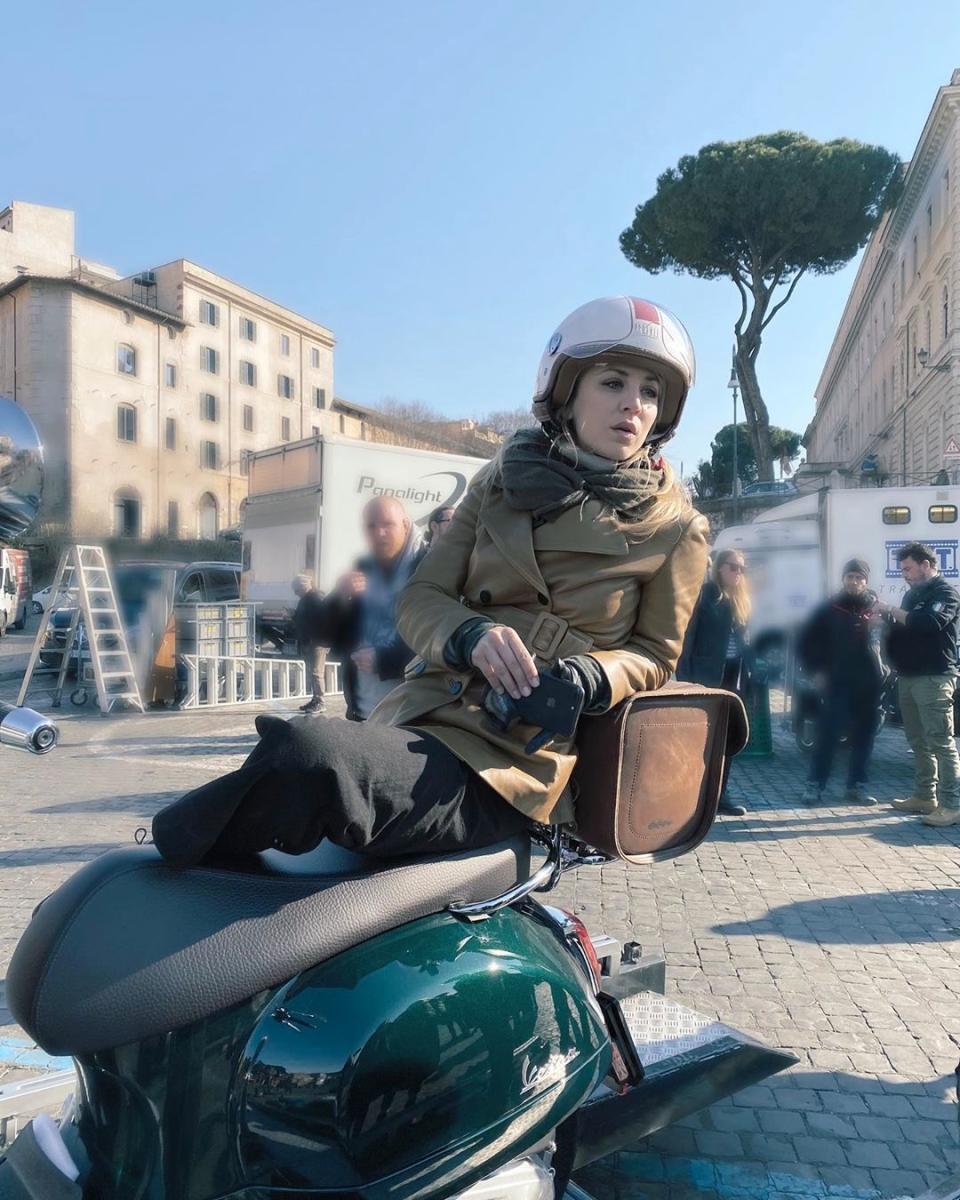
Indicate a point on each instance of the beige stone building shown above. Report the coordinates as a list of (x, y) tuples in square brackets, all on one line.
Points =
[(150, 390), (889, 394)]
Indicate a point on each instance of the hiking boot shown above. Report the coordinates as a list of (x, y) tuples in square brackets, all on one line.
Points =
[(913, 804), (943, 816), (812, 794), (314, 706), (856, 795)]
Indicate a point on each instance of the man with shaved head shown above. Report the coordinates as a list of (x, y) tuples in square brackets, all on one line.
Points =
[(359, 615)]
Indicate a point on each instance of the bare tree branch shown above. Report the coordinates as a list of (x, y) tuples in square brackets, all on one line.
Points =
[(780, 303)]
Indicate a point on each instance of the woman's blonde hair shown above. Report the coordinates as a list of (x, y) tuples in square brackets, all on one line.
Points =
[(739, 594)]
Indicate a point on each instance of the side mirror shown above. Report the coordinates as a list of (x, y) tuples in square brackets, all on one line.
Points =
[(21, 471)]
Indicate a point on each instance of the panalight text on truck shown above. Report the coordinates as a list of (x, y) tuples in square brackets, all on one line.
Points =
[(418, 493)]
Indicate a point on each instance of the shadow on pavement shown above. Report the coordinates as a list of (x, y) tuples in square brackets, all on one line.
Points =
[(885, 918), (144, 804), (42, 856)]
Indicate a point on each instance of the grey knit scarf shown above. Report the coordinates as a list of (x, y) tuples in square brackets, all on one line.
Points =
[(545, 478)]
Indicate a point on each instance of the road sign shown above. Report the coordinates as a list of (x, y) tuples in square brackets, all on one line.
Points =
[(952, 448)]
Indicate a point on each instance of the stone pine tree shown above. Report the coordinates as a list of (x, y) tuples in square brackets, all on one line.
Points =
[(763, 212)]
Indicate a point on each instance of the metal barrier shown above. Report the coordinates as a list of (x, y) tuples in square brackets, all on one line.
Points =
[(218, 680)]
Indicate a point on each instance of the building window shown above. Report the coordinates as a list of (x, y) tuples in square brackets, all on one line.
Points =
[(343, 424), (248, 418), (285, 386), (248, 373), (170, 439), (248, 329), (942, 514), (285, 429), (916, 258), (173, 519), (314, 357), (209, 455), (244, 462), (903, 279), (946, 312), (126, 423), (210, 360), (209, 313), (319, 397), (126, 360), (207, 517), (208, 406), (946, 194), (284, 343), (929, 227), (126, 513), (929, 345), (893, 297), (896, 515), (170, 375)]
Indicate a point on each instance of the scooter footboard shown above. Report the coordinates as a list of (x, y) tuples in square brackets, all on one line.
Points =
[(689, 1061)]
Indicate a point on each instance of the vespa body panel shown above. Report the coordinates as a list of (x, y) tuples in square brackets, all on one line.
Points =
[(408, 1066)]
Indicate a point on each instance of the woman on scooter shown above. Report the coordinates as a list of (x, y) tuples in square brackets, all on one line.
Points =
[(572, 565)]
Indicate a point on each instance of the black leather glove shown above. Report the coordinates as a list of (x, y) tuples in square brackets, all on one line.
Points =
[(589, 674)]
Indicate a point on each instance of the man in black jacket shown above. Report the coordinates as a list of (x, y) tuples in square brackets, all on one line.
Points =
[(922, 646), (307, 621), (835, 647), (359, 616)]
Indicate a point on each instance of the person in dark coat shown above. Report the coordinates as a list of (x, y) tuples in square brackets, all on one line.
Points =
[(716, 650), (307, 625), (359, 618), (836, 648)]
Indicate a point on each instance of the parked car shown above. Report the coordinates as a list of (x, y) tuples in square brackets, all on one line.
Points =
[(771, 487), (137, 582), (43, 599)]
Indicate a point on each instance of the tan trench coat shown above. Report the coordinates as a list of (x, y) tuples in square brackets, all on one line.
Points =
[(573, 586)]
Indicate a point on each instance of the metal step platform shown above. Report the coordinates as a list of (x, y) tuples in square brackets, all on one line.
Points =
[(690, 1061)]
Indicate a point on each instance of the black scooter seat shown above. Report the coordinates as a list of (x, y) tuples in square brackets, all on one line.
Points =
[(130, 947)]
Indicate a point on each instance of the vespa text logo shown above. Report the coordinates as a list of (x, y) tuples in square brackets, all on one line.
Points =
[(439, 496), (551, 1071), (946, 552)]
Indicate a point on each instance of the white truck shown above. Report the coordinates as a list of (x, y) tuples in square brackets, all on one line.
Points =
[(796, 551), (16, 588), (304, 506)]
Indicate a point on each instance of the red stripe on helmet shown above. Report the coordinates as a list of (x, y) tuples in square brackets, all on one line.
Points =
[(643, 310)]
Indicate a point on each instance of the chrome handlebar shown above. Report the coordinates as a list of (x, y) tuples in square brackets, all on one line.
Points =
[(24, 729)]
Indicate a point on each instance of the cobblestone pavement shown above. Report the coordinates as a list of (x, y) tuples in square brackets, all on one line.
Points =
[(831, 932)]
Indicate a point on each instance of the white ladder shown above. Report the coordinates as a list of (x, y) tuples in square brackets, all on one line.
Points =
[(84, 571)]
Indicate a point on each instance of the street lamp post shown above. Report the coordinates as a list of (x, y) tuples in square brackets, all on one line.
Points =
[(733, 384)]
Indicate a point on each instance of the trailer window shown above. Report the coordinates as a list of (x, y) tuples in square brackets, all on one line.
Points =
[(942, 514), (896, 515)]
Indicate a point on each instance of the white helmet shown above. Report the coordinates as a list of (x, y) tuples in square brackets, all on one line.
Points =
[(618, 328)]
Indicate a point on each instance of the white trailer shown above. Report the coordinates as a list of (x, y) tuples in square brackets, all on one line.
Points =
[(797, 550), (306, 498)]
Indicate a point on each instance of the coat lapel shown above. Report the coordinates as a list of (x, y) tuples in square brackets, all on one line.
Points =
[(586, 530), (512, 533)]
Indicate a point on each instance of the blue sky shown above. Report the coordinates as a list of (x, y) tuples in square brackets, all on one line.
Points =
[(441, 182)]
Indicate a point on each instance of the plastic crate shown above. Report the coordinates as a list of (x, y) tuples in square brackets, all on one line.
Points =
[(208, 648), (241, 647), (208, 612), (237, 628), (238, 612)]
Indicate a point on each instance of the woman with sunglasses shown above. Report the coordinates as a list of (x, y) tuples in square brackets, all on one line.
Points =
[(716, 649)]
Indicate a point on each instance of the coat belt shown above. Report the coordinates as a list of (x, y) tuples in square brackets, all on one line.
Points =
[(545, 635)]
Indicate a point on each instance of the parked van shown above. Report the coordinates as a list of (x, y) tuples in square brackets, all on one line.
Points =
[(16, 589)]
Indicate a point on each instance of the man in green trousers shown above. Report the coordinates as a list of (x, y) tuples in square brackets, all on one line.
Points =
[(922, 647)]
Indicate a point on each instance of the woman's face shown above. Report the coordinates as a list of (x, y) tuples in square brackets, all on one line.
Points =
[(614, 409), (731, 572)]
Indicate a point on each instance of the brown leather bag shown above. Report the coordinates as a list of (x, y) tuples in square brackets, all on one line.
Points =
[(650, 772)]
